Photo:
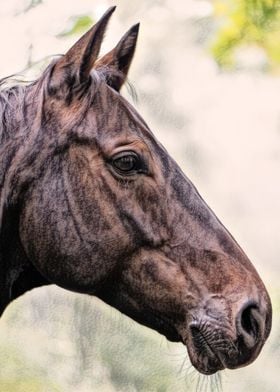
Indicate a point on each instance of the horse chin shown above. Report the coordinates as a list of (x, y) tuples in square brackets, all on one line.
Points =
[(205, 363), (205, 352)]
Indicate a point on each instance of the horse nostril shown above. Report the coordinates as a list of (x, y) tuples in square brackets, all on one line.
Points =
[(250, 324)]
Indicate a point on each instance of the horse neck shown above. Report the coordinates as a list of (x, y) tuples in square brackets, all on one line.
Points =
[(17, 274)]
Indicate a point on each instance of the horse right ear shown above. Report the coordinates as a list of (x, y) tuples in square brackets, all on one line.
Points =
[(73, 69), (117, 62)]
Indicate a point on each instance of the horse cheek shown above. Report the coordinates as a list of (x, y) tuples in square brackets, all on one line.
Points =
[(57, 243)]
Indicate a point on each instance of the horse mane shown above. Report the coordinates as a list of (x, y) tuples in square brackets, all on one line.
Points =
[(13, 133), (11, 97)]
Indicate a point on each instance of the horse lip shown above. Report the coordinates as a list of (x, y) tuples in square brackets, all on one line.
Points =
[(217, 359), (214, 364)]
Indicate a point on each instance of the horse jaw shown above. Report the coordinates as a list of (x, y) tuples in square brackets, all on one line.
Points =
[(17, 274)]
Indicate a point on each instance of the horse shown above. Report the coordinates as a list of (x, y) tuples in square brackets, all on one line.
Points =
[(92, 202)]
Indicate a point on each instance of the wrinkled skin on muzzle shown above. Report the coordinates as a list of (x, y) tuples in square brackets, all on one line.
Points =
[(109, 213)]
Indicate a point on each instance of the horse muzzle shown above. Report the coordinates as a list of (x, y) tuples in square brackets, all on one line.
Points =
[(213, 344)]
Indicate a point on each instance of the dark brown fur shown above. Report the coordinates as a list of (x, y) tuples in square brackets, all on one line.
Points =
[(143, 241)]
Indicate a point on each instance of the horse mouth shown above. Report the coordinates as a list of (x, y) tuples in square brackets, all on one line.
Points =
[(203, 354)]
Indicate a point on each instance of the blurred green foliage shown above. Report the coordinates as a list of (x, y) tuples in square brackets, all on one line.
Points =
[(244, 23), (20, 374), (102, 351), (78, 25)]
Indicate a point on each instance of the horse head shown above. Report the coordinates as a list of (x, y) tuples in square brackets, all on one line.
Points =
[(101, 208)]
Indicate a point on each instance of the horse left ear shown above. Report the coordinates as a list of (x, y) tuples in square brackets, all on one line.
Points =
[(74, 67), (117, 62)]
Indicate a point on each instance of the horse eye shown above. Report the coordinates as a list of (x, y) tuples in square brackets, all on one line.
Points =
[(127, 162)]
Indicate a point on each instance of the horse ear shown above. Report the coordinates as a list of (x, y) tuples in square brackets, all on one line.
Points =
[(119, 59), (76, 64)]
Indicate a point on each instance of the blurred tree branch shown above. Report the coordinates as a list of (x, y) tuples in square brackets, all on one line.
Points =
[(32, 4), (247, 23)]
